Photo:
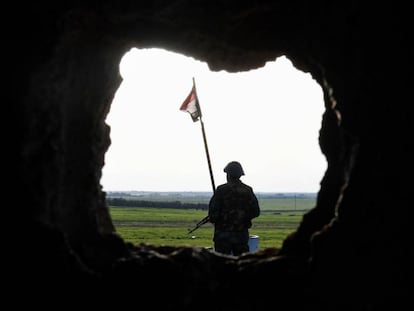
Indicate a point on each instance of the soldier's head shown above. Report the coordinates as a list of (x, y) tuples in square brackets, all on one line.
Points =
[(234, 170)]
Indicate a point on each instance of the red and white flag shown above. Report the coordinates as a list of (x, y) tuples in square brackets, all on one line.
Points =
[(191, 105)]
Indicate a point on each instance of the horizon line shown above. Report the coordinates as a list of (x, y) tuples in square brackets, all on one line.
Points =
[(209, 191)]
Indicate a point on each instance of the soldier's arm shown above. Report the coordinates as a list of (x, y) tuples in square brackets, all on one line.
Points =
[(213, 209), (255, 205)]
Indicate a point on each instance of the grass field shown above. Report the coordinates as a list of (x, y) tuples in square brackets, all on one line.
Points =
[(161, 226)]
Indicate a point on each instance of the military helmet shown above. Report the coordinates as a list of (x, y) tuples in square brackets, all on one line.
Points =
[(234, 169)]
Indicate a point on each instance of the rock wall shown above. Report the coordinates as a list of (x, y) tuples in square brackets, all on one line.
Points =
[(63, 59)]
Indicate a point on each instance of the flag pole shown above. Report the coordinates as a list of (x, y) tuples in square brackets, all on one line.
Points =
[(207, 154), (205, 144), (206, 219)]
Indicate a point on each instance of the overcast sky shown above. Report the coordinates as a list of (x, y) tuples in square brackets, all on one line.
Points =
[(267, 119)]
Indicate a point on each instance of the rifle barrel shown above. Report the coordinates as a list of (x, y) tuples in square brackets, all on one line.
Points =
[(199, 224)]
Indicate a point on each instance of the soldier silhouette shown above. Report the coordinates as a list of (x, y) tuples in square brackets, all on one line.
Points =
[(231, 209)]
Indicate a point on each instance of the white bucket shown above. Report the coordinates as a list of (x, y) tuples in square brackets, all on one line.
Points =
[(253, 243)]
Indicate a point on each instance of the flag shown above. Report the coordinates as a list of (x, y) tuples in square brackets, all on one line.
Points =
[(191, 105)]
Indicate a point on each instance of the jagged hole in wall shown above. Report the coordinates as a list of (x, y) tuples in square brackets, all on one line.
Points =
[(268, 119)]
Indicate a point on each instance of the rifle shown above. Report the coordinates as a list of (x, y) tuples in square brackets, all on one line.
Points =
[(199, 224)]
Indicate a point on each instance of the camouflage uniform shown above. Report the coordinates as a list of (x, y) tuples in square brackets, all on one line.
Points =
[(231, 209)]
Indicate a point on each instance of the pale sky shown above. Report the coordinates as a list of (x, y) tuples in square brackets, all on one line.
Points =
[(267, 119)]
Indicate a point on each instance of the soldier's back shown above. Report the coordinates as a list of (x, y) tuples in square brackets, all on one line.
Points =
[(236, 198)]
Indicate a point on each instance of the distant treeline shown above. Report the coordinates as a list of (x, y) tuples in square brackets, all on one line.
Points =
[(151, 195), (159, 204)]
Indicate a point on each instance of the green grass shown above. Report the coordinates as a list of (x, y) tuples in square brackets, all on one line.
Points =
[(162, 226), (275, 204)]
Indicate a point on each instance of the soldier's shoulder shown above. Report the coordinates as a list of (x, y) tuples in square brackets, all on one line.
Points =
[(247, 186), (222, 187)]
